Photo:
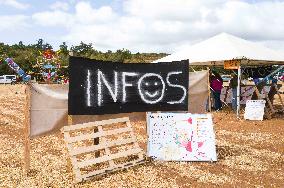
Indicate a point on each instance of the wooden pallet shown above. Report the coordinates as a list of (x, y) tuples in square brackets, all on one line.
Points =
[(118, 148)]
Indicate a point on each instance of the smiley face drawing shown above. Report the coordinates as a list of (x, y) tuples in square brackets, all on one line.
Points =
[(151, 88)]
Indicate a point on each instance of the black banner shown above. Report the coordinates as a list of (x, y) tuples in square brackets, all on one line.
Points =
[(259, 72), (98, 87)]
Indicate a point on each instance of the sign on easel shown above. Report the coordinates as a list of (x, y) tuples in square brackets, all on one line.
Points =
[(181, 137), (254, 110), (232, 64)]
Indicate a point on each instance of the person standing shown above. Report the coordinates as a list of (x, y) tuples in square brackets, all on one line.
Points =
[(234, 86), (216, 83)]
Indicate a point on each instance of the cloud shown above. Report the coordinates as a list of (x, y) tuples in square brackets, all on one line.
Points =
[(59, 5), (14, 4), (86, 14), (55, 18), (166, 25), (13, 22)]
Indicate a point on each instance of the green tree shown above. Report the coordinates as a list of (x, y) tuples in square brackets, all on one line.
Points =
[(64, 48), (26, 56), (84, 50)]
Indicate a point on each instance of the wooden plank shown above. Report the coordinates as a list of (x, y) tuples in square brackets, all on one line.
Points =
[(27, 125), (269, 102), (74, 162), (107, 150), (109, 169), (108, 157), (96, 123), (267, 113), (257, 93), (88, 149), (133, 136), (73, 159), (97, 134), (51, 109)]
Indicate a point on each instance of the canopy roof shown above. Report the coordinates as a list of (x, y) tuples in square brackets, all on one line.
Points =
[(222, 47)]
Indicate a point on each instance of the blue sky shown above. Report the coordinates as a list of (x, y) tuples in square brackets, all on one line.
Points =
[(140, 25)]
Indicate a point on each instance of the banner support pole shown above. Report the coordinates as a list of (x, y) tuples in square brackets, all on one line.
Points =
[(27, 142)]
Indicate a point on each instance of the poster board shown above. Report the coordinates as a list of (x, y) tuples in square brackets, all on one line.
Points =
[(254, 110), (98, 87), (232, 64), (181, 137)]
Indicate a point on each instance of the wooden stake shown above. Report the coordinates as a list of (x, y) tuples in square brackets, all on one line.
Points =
[(267, 113), (27, 129), (269, 102), (279, 95)]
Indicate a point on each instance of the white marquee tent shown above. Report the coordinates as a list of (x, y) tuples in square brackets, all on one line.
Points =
[(225, 47), (215, 50)]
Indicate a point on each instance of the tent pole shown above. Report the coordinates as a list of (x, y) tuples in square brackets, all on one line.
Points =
[(209, 92), (238, 92)]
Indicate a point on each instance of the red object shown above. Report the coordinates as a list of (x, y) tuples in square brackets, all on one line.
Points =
[(200, 144), (189, 120), (188, 146), (48, 54), (65, 81)]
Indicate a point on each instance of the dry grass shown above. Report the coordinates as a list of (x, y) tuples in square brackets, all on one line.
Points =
[(250, 154)]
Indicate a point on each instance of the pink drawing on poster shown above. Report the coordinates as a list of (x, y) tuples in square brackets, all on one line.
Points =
[(189, 120), (188, 146), (200, 144)]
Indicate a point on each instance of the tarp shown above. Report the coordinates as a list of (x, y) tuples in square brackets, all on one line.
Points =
[(49, 105), (198, 92), (48, 108), (215, 50)]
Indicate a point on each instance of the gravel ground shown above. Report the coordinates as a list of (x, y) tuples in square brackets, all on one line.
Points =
[(250, 154)]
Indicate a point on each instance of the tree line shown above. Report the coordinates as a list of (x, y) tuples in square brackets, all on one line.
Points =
[(26, 55)]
